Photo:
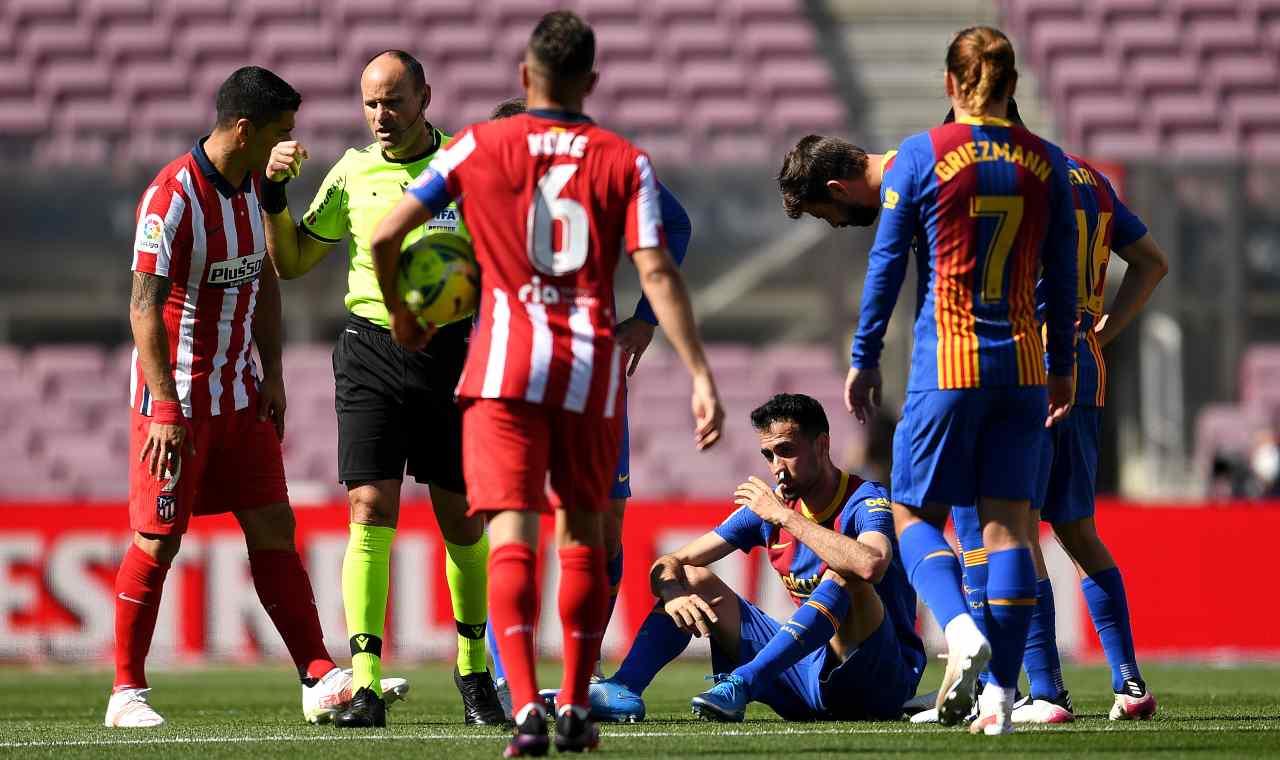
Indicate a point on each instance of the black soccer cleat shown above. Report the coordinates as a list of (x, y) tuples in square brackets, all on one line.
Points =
[(529, 739), (367, 710), (575, 731), (480, 705)]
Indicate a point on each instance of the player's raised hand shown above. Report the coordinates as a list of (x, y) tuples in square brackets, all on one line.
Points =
[(286, 160), (1062, 392), (633, 337), (862, 392), (408, 331), (271, 403), (708, 414), (757, 496), (693, 614)]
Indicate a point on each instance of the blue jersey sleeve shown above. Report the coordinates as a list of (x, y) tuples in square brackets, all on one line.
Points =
[(431, 189), (679, 230), (887, 263), (743, 529), (1126, 227), (1058, 259), (868, 510)]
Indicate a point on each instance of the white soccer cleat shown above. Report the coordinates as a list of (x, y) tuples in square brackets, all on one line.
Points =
[(1128, 707), (1044, 711), (995, 712), (332, 694), (129, 708), (968, 652), (926, 716)]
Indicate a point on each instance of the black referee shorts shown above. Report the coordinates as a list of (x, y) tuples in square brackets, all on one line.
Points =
[(396, 406)]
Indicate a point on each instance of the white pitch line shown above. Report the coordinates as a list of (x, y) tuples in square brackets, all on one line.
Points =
[(175, 740)]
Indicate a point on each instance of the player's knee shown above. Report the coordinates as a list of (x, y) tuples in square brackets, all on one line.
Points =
[(268, 528), (161, 548)]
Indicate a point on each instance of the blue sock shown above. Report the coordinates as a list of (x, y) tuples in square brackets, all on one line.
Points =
[(1011, 600), (934, 571), (969, 534), (613, 568), (1044, 668), (1109, 608), (810, 627), (657, 643), (499, 672)]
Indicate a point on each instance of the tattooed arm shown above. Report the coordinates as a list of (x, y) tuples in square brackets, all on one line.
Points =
[(146, 318)]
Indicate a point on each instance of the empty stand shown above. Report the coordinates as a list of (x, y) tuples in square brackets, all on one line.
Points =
[(130, 77), (1194, 79)]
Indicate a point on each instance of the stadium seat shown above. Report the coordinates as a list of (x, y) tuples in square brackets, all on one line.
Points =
[(800, 114), (669, 11), (183, 12), (204, 41), (682, 41), (616, 43), (103, 117), (16, 79), (45, 43), (1144, 36), (781, 39), (651, 114), (1213, 36), (1252, 72), (1254, 113), (151, 42), (1151, 74), (762, 11), (598, 12), (1110, 11), (284, 42), (1171, 112), (794, 76), (257, 12), (1260, 375), (627, 80), (705, 78)]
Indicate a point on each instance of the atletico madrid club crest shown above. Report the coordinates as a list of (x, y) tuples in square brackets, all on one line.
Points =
[(166, 507)]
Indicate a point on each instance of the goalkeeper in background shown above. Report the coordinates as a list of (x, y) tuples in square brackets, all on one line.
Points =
[(386, 395)]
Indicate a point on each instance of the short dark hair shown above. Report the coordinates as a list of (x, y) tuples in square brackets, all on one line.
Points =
[(416, 72), (510, 107), (815, 161), (253, 93), (804, 411), (564, 44)]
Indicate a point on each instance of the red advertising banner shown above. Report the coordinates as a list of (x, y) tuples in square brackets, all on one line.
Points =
[(1191, 574)]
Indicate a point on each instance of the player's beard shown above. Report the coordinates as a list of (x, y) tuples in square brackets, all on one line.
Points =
[(861, 216)]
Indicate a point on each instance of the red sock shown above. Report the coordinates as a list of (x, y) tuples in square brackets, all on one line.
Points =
[(139, 584), (285, 592), (513, 610), (584, 604)]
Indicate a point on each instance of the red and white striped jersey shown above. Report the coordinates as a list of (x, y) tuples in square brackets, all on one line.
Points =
[(207, 237), (550, 200)]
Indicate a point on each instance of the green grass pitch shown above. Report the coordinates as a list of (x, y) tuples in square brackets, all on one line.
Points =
[(242, 712)]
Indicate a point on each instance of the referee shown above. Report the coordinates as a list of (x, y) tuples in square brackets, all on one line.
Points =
[(394, 406)]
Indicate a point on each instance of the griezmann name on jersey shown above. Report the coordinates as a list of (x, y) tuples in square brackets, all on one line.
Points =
[(541, 193)]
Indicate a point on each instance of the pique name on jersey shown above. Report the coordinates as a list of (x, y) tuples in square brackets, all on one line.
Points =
[(557, 142), (235, 272)]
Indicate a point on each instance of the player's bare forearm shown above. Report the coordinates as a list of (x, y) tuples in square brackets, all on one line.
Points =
[(1147, 267), (267, 321), (664, 287), (846, 556), (388, 236), (146, 320)]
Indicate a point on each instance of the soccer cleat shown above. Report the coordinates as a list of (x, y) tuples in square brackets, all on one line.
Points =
[(1134, 703), (529, 738), (480, 705), (921, 703), (967, 656), (503, 690), (575, 731), (331, 694), (611, 702), (129, 708), (1056, 710), (367, 710), (726, 702), (995, 713)]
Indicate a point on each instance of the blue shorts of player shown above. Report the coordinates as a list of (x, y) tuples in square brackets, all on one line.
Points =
[(954, 446), (871, 684), (621, 488), (1073, 475)]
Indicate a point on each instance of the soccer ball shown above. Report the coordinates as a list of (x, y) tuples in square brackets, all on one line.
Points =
[(439, 279)]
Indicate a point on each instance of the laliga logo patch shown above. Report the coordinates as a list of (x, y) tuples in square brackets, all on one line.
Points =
[(151, 233), (166, 507)]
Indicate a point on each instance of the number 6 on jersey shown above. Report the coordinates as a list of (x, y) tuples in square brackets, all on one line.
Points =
[(547, 208)]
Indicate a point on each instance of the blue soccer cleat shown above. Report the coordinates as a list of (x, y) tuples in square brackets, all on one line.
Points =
[(726, 702), (612, 702)]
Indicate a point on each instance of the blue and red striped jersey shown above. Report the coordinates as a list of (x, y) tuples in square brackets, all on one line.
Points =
[(1103, 224), (991, 205)]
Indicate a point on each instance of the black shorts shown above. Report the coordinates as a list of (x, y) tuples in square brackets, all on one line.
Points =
[(395, 406)]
